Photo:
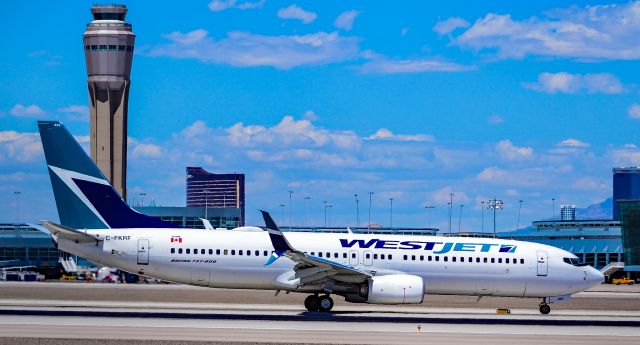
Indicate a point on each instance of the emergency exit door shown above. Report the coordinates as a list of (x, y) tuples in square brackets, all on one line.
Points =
[(143, 252), (542, 263)]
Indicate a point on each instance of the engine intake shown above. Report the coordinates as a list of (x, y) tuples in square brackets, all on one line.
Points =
[(393, 289)]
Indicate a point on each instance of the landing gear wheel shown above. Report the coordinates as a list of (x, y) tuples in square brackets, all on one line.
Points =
[(545, 309), (326, 303), (312, 303)]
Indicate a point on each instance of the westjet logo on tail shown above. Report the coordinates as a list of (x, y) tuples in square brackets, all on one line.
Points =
[(435, 247)]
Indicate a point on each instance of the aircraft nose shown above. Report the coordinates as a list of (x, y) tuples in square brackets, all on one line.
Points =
[(594, 276)]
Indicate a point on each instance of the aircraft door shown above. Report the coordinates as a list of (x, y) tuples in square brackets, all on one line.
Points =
[(542, 263), (353, 257), (143, 252), (367, 259)]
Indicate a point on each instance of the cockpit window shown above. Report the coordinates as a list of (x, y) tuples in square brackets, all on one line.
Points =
[(573, 261)]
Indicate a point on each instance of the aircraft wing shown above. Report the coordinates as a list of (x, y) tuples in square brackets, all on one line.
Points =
[(61, 231), (310, 269)]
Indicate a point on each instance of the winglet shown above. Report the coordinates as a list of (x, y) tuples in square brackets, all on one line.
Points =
[(279, 242)]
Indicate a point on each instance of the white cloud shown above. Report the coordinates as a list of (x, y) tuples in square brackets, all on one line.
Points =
[(634, 111), (380, 64), (243, 49), (310, 115), (345, 20), (443, 196), (447, 26), (296, 12), (563, 82), (142, 150), (21, 147), (495, 119), (607, 32), (75, 112), (385, 134), (28, 111), (221, 5), (573, 143), (510, 152), (527, 178)]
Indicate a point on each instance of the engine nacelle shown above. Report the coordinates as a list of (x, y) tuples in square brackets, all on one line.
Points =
[(394, 289)]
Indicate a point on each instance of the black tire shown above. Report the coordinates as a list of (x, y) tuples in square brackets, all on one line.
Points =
[(312, 303), (545, 309), (325, 303)]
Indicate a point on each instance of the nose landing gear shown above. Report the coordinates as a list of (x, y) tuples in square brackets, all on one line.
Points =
[(318, 303), (544, 308)]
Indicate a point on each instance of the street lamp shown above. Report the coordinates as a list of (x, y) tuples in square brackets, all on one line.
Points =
[(482, 216), (142, 198), (290, 193), (357, 211), (519, 208), (553, 208), (429, 208), (325, 213), (330, 206), (282, 213), (494, 205), (391, 213), (450, 211), (17, 207), (460, 219), (369, 223), (306, 219)]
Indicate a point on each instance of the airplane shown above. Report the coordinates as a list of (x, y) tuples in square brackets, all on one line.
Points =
[(95, 223)]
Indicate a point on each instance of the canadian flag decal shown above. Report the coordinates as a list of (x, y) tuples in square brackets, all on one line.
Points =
[(176, 239)]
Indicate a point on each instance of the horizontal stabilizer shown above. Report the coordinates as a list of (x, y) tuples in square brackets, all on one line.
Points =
[(69, 234)]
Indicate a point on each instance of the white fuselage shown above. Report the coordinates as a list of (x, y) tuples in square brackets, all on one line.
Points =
[(236, 259)]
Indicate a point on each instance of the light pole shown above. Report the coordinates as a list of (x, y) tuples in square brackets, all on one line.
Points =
[(495, 204), (17, 207), (357, 211), (369, 222), (282, 213), (450, 211), (391, 212), (482, 216), (290, 193), (325, 213), (429, 208), (306, 219), (142, 199), (553, 208), (519, 208), (460, 219), (330, 206)]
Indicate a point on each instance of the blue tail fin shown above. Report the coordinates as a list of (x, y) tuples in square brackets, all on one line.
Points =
[(85, 198)]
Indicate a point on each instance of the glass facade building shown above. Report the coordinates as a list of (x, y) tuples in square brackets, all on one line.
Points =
[(626, 186), (568, 212), (205, 189), (630, 220)]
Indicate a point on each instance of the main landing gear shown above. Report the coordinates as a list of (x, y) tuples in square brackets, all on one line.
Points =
[(544, 307), (318, 303)]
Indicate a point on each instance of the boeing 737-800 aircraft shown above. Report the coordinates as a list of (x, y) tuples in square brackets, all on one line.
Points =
[(363, 268)]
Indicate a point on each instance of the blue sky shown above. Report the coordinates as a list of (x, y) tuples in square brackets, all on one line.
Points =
[(411, 100)]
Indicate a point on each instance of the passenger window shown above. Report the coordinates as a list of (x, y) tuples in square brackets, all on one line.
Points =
[(188, 251), (493, 260), (522, 261), (257, 253), (313, 253), (429, 258), (478, 260), (353, 255), (470, 259), (240, 252), (506, 260), (233, 252), (217, 251), (248, 253), (266, 253), (375, 256), (173, 250), (499, 260), (390, 256), (195, 251), (179, 250), (437, 258), (382, 256), (344, 255), (485, 260), (404, 258), (413, 257), (446, 259), (368, 256), (328, 255), (226, 252), (453, 259), (319, 254)]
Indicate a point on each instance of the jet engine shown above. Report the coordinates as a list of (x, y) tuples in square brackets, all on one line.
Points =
[(393, 289)]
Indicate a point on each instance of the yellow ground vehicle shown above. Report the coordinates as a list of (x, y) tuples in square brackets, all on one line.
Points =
[(623, 280)]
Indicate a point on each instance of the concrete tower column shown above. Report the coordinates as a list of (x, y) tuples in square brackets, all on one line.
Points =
[(108, 49)]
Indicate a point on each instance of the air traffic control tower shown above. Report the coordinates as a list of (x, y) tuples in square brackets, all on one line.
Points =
[(108, 51)]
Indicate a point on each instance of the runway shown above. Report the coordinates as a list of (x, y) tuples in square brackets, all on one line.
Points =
[(54, 316)]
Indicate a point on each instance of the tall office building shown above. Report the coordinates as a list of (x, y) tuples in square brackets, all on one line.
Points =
[(567, 212), (205, 189), (626, 185), (108, 51)]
